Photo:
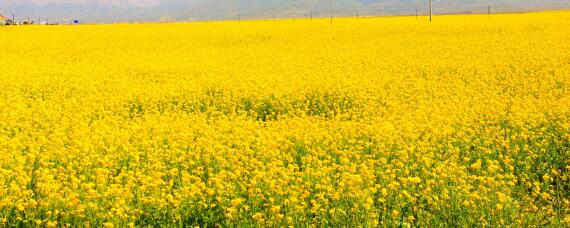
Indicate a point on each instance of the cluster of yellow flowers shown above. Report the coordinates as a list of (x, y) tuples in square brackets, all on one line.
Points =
[(372, 122)]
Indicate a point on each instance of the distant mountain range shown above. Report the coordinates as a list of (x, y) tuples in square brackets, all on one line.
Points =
[(170, 10)]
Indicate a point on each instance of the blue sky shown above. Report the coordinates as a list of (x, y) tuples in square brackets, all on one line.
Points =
[(131, 10)]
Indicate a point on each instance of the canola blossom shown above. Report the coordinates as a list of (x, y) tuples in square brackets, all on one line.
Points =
[(390, 121)]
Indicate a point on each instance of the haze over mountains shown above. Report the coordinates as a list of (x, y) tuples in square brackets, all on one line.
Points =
[(169, 10)]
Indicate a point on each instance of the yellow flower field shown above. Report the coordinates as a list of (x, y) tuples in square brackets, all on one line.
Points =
[(391, 121)]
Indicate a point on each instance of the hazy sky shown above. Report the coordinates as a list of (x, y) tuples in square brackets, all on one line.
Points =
[(113, 10)]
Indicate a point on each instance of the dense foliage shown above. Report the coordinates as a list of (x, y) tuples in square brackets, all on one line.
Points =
[(372, 122)]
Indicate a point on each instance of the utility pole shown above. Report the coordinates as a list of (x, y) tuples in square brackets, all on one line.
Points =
[(430, 9), (331, 11), (357, 15), (13, 18), (489, 9), (293, 8), (416, 13), (417, 10)]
